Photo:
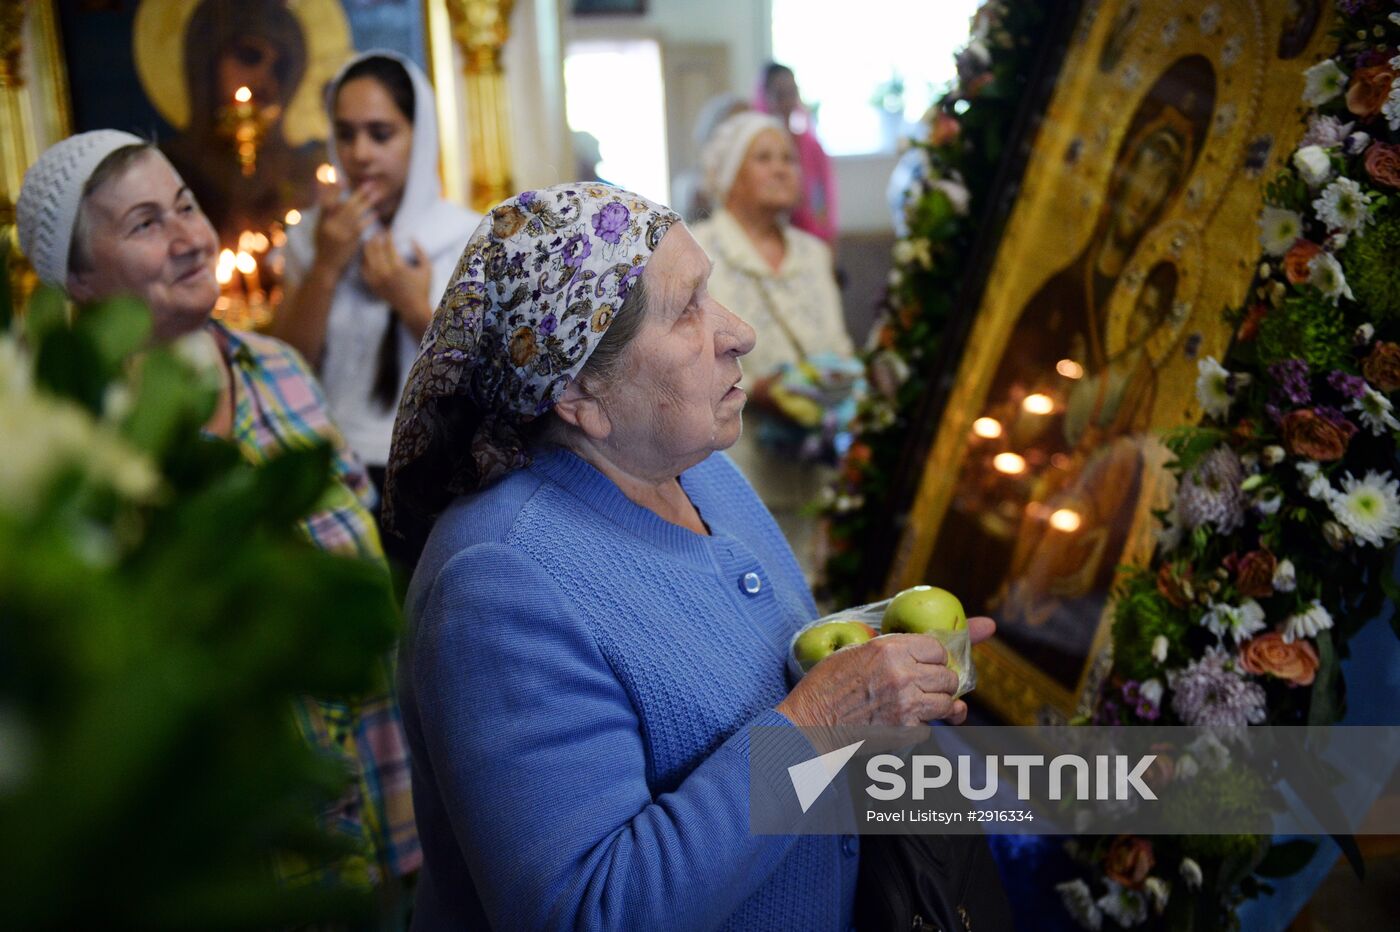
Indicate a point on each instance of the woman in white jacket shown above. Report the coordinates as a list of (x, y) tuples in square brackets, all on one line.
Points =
[(365, 269)]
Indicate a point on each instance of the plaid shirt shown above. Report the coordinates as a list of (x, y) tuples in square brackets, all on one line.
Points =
[(278, 406)]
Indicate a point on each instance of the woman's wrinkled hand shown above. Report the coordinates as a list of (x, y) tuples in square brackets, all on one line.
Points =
[(898, 679), (341, 224)]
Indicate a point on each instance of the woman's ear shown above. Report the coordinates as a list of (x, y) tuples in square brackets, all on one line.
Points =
[(583, 411), (79, 287)]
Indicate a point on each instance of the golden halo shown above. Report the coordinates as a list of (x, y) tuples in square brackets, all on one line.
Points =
[(159, 50)]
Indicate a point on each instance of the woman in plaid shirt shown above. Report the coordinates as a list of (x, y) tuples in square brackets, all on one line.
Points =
[(103, 213)]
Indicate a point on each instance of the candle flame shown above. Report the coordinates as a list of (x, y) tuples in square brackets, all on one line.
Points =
[(1069, 369), (245, 263), (325, 173), (987, 427), (243, 95), (1009, 463), (1038, 404), (293, 217), (1065, 519), (224, 270)]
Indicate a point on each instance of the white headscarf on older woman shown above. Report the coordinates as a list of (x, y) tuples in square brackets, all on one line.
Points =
[(724, 153)]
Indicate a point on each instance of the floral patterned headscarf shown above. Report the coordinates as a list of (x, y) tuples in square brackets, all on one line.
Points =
[(534, 292)]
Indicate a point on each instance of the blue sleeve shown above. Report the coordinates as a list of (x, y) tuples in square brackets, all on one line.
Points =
[(537, 754)]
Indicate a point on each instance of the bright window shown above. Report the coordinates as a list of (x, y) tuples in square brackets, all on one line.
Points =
[(846, 57), (613, 89)]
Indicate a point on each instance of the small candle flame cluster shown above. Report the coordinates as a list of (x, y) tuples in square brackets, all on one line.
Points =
[(1006, 439), (250, 276)]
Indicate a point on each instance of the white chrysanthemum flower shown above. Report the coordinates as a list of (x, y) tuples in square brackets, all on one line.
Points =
[(1313, 164), (1369, 507), (1375, 410), (1159, 648), (1152, 689), (958, 195), (1279, 229), (1274, 454), (1325, 274), (1158, 891), (1191, 873), (1212, 388), (1323, 82), (1391, 108), (1285, 576), (1125, 907), (1363, 334), (1320, 488), (1239, 622), (1343, 206), (1307, 623), (1079, 903), (1269, 503)]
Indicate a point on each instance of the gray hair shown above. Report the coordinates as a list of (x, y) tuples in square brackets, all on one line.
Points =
[(112, 167)]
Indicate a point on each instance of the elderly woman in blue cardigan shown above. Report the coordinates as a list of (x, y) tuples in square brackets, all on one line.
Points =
[(603, 607)]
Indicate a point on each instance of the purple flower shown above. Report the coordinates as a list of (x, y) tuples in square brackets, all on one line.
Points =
[(1348, 386), (548, 324), (1131, 692), (1207, 692), (610, 222), (1274, 412), (1147, 711), (526, 197), (577, 249), (1325, 131), (1210, 493), (1291, 381)]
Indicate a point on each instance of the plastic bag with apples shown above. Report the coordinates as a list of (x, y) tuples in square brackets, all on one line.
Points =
[(920, 610)]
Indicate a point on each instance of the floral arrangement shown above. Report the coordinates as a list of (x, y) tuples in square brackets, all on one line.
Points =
[(149, 767), (1279, 543), (950, 172)]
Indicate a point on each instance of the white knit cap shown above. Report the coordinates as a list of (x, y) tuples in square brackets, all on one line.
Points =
[(53, 191), (725, 151)]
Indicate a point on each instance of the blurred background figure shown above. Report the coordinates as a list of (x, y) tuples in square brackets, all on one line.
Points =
[(816, 209), (688, 196), (366, 268), (587, 155), (780, 280)]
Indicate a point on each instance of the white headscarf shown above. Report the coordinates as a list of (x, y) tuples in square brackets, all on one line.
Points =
[(725, 151)]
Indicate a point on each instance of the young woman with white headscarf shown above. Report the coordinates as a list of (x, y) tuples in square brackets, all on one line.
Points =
[(366, 268), (784, 280)]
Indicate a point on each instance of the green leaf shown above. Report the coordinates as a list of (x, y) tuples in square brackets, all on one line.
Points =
[(47, 312), (67, 364), (116, 328), (1324, 707), (1285, 860)]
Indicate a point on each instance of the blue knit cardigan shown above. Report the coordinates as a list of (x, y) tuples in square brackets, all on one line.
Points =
[(577, 684)]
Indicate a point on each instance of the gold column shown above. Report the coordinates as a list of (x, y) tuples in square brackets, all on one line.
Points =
[(26, 29), (481, 28)]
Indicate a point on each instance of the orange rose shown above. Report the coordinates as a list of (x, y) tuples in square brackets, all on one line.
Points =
[(1174, 585), (1383, 164), (1368, 90), (1269, 655), (1382, 366), (857, 458), (1249, 327), (1129, 861), (1295, 263), (1308, 434), (1255, 574), (944, 130)]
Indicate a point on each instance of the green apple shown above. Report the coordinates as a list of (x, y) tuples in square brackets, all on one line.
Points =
[(923, 610), (822, 641)]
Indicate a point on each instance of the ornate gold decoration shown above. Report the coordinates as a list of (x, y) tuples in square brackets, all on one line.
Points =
[(1195, 241), (158, 47), (481, 28)]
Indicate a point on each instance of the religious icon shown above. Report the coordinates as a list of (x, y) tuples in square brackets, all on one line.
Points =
[(1055, 421), (241, 81)]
